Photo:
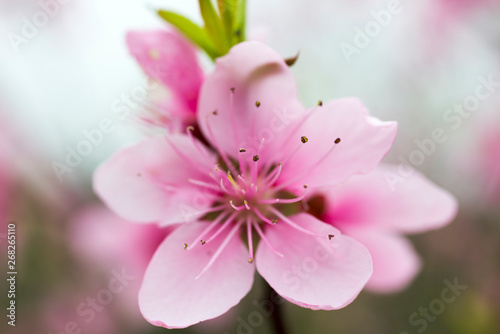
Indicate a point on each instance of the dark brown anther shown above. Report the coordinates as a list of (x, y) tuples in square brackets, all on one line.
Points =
[(203, 242), (232, 90), (242, 150), (185, 246), (255, 158), (292, 60), (320, 103), (257, 104), (215, 112), (304, 139), (305, 186), (337, 140), (330, 236)]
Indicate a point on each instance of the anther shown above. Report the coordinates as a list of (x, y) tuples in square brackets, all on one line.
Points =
[(320, 103), (255, 158), (330, 236), (246, 204), (215, 112), (250, 260), (337, 140), (275, 221), (304, 139), (185, 246), (257, 104), (242, 150), (203, 242), (139, 174), (190, 128), (233, 89)]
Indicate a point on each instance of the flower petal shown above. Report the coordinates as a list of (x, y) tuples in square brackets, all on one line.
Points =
[(170, 59), (170, 295), (148, 182), (395, 262), (364, 141), (259, 76), (315, 272), (385, 200)]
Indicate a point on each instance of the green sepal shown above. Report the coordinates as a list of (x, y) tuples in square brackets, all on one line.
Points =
[(192, 31)]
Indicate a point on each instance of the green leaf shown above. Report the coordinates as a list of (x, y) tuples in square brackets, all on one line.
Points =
[(240, 21), (213, 25), (192, 31), (227, 10)]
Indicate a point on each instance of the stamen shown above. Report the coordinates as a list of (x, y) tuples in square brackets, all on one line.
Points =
[(243, 180), (204, 184), (241, 161), (221, 248), (287, 200), (223, 227), (261, 216), (313, 166), (257, 104), (263, 238), (202, 212), (320, 103), (209, 228), (255, 169), (304, 140), (271, 179), (227, 191), (185, 157), (246, 204), (217, 147), (237, 208), (292, 224), (189, 131), (230, 178), (231, 113), (250, 242)]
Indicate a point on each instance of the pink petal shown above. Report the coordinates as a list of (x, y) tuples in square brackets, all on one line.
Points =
[(385, 200), (148, 182), (316, 273), (364, 142), (258, 74), (395, 262), (171, 59), (171, 297)]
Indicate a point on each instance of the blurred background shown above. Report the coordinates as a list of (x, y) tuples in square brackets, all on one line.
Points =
[(422, 67)]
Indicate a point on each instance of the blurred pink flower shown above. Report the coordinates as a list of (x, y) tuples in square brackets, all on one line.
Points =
[(377, 214), (451, 8), (267, 147), (110, 243), (171, 60), (488, 164)]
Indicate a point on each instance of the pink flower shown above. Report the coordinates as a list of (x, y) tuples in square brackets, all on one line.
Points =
[(107, 234), (377, 213), (487, 164), (266, 148), (171, 60)]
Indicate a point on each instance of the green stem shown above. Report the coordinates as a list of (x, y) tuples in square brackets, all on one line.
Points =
[(277, 314)]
